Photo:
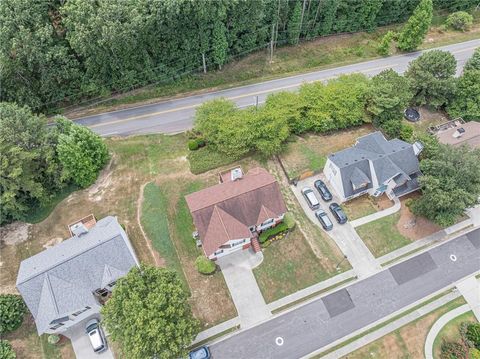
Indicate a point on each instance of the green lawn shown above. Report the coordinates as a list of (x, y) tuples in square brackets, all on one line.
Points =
[(450, 332), (359, 207), (289, 265), (155, 223), (382, 236)]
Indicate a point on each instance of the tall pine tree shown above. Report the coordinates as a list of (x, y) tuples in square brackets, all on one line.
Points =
[(293, 26)]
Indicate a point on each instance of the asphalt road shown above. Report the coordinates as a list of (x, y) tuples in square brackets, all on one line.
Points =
[(177, 115), (325, 320)]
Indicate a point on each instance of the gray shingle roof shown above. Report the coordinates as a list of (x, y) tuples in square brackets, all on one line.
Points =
[(61, 279), (387, 157)]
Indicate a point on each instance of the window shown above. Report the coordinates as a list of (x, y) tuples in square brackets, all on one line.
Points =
[(267, 222), (56, 326), (77, 313)]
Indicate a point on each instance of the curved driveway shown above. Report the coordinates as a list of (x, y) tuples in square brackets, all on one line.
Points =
[(177, 115)]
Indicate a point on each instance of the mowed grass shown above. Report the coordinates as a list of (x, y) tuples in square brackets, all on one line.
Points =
[(155, 223), (28, 345), (359, 207), (289, 265), (451, 332), (382, 236), (407, 341)]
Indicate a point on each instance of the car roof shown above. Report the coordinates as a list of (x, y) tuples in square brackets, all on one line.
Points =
[(305, 189), (95, 339)]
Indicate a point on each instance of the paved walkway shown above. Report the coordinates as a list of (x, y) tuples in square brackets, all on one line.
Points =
[(439, 324), (362, 260), (396, 324), (470, 289), (377, 215), (237, 270), (217, 329)]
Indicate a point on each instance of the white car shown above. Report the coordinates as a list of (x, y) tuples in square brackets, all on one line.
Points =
[(96, 336)]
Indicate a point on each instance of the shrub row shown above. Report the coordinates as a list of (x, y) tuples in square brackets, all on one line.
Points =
[(264, 236)]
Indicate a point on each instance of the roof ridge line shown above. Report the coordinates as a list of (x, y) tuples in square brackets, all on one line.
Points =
[(254, 189), (52, 295), (68, 258), (221, 221)]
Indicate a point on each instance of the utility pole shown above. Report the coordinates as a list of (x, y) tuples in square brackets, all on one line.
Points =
[(204, 63)]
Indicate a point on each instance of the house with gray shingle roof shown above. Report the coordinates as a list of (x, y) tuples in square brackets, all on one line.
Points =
[(67, 283), (375, 166)]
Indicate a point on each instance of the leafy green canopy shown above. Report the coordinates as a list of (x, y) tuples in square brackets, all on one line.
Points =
[(149, 314), (6, 350), (450, 183), (12, 310), (38, 161), (432, 78), (416, 28)]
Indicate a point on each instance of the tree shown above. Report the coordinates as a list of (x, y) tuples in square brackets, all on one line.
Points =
[(386, 43), (29, 169), (6, 350), (81, 152), (473, 63), (204, 265), (388, 95), (473, 334), (431, 78), (269, 132), (287, 105), (220, 44), (293, 27), (149, 315), (466, 103), (460, 20), (416, 28), (12, 311), (450, 184)]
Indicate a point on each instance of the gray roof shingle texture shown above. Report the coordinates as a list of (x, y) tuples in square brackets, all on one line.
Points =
[(388, 158), (61, 279)]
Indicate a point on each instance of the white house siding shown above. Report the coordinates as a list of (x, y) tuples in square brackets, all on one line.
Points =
[(332, 173), (270, 223), (235, 245)]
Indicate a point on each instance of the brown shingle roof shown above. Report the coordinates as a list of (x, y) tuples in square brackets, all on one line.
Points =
[(226, 210)]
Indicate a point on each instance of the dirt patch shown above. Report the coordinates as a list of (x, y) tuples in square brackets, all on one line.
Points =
[(414, 227), (104, 180), (15, 233), (52, 242)]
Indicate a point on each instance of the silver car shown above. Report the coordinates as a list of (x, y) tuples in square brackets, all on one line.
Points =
[(96, 336)]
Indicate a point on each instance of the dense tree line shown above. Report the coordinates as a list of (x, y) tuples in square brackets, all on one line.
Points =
[(38, 161), (54, 52)]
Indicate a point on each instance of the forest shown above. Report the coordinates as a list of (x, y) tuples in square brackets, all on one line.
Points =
[(58, 52)]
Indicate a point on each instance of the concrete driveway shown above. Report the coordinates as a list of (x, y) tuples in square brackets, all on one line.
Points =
[(81, 344), (363, 262), (237, 270)]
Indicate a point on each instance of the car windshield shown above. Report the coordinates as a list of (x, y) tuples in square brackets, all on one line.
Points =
[(198, 354), (326, 220)]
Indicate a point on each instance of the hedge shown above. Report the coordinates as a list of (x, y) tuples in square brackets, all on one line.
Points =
[(12, 310), (205, 265), (264, 236)]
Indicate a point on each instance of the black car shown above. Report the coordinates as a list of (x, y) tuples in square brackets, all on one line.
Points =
[(324, 220), (323, 190), (338, 213)]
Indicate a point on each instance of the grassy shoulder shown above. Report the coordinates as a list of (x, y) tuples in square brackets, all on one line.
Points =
[(321, 53), (382, 236), (451, 332), (407, 341)]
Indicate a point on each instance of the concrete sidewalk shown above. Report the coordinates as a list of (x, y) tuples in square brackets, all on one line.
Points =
[(374, 216), (438, 325), (237, 270), (470, 289)]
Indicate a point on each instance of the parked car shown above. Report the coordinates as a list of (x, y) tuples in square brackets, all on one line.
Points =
[(200, 353), (324, 219), (323, 190), (96, 336), (338, 213), (310, 198)]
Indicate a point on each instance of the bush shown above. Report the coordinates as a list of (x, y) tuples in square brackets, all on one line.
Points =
[(12, 310), (205, 265), (453, 350), (460, 20), (473, 334), (289, 221), (193, 145), (474, 353), (384, 47), (264, 236), (53, 339), (6, 350)]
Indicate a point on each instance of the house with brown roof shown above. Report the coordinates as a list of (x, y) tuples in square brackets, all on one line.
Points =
[(229, 215)]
